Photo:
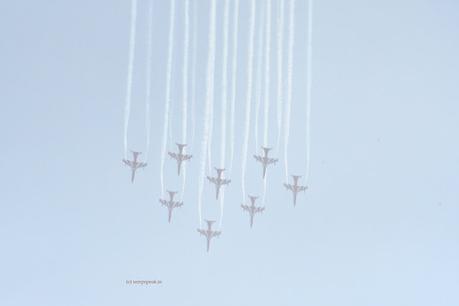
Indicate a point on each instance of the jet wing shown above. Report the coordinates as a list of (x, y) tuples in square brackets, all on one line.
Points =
[(177, 204), (212, 180), (259, 209), (215, 233), (173, 155), (245, 207), (127, 162), (258, 158), (202, 232), (141, 165), (272, 160), (163, 202), (302, 188), (187, 157), (225, 182), (288, 186)]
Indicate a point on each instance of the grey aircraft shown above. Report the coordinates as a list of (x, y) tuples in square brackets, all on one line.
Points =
[(295, 188), (134, 164), (219, 181), (180, 156), (170, 204), (252, 209), (209, 233), (265, 160)]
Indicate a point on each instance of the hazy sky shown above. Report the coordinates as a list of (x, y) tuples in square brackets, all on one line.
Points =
[(378, 225)]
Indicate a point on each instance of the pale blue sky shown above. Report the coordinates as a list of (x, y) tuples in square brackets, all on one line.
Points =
[(379, 225)]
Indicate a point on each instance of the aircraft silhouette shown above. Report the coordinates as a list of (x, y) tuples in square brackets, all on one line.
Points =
[(180, 156), (209, 233), (219, 181), (295, 188), (171, 204), (252, 209), (265, 160), (134, 164)]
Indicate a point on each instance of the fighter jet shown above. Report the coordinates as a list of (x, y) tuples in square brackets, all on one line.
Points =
[(218, 181), (180, 156), (295, 188), (209, 233), (170, 204), (252, 209), (265, 160), (134, 164)]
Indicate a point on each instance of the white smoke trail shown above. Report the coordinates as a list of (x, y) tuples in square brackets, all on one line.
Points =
[(308, 92), (280, 69), (211, 131), (267, 85), (233, 80), (148, 78), (258, 78), (249, 93), (209, 101), (224, 84), (127, 108), (224, 97), (193, 74), (168, 91), (186, 51), (291, 42), (267, 71)]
